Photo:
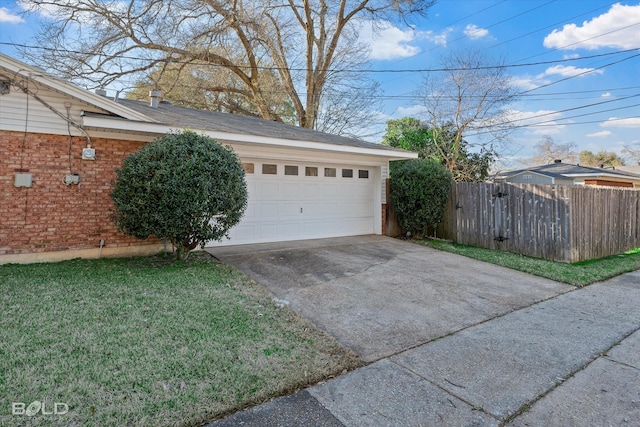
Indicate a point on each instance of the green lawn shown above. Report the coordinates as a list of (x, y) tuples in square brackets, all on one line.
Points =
[(149, 342), (578, 274)]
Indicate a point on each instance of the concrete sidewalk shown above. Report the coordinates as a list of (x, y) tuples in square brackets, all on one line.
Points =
[(571, 360)]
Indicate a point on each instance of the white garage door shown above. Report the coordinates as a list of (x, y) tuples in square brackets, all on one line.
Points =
[(291, 201)]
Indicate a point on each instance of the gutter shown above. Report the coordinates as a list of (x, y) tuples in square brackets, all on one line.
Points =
[(112, 123)]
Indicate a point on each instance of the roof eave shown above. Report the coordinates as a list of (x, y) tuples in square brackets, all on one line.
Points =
[(595, 175), (59, 85), (524, 172), (109, 123)]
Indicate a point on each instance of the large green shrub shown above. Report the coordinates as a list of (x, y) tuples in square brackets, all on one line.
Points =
[(419, 192), (184, 188)]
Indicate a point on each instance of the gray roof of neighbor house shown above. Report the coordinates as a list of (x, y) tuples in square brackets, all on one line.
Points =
[(181, 117), (567, 170), (635, 169)]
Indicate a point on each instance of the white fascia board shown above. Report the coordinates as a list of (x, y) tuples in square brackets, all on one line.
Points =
[(43, 78), (596, 175), (161, 129), (256, 154)]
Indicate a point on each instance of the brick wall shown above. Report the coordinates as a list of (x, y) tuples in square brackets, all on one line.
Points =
[(51, 216)]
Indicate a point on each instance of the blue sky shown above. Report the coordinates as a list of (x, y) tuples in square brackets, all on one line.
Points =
[(541, 33)]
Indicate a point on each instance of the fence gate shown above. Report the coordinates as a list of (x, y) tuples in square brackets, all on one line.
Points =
[(482, 215), (527, 219), (499, 224), (559, 222)]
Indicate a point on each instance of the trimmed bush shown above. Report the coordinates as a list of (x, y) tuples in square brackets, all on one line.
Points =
[(420, 190), (183, 188)]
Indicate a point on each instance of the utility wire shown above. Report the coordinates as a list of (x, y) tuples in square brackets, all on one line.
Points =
[(479, 29), (591, 70), (552, 113), (414, 70), (548, 26), (581, 115), (550, 124), (414, 97), (582, 41)]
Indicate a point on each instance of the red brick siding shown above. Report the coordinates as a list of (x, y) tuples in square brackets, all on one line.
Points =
[(51, 216), (608, 183)]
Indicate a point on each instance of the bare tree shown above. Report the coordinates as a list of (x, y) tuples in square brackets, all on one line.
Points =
[(632, 153), (213, 89), (348, 107), (547, 151), (470, 96), (305, 42)]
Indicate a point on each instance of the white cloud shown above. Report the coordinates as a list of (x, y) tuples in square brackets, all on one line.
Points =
[(387, 41), (541, 122), (570, 71), (600, 134), (437, 39), (633, 122), (571, 56), (474, 32), (617, 28), (412, 111), (9, 18), (528, 82), (606, 95), (44, 10)]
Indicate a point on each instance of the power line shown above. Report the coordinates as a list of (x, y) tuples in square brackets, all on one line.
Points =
[(581, 41), (549, 26), (492, 25), (582, 115), (591, 70), (416, 97), (416, 70), (480, 29), (543, 124), (537, 116)]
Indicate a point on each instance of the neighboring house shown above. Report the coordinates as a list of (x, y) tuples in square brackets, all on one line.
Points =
[(634, 169), (61, 144), (568, 174)]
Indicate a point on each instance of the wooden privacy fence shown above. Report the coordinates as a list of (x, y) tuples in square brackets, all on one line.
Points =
[(557, 222)]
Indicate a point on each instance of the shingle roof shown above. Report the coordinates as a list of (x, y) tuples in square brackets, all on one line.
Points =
[(563, 170), (635, 169), (182, 117)]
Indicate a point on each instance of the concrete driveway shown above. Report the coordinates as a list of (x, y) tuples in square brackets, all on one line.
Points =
[(380, 296)]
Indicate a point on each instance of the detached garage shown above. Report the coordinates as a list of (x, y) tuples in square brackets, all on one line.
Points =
[(63, 143)]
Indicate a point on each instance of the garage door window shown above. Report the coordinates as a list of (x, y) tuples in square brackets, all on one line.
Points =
[(269, 169), (248, 167), (310, 171), (291, 170), (347, 173), (330, 172), (363, 174)]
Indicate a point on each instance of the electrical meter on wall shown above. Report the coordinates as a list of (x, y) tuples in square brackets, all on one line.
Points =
[(88, 154)]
